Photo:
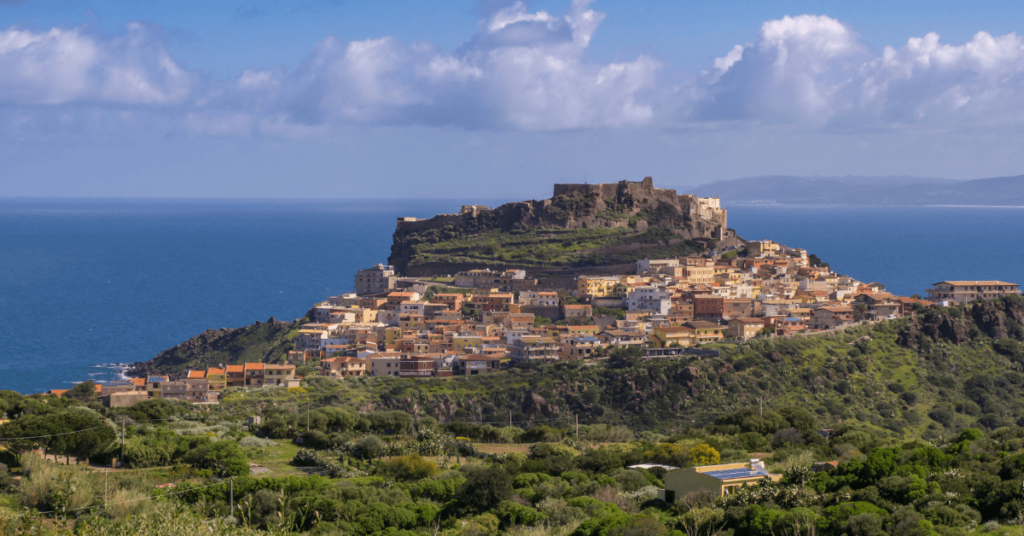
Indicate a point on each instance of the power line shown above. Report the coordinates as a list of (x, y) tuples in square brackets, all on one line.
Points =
[(52, 435), (135, 500)]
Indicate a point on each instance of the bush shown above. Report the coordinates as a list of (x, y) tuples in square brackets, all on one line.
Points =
[(308, 458), (253, 441), (225, 458), (406, 468)]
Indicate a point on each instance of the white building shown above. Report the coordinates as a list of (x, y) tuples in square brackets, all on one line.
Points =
[(650, 298)]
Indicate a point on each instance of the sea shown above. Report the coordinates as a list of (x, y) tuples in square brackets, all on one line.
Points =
[(89, 285)]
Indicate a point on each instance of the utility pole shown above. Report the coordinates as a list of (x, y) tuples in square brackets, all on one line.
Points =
[(104, 487)]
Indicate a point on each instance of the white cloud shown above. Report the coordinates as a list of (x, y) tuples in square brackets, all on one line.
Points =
[(814, 70), (521, 70), (67, 66), (526, 70)]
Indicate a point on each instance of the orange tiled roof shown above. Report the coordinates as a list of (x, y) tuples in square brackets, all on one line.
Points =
[(254, 366), (211, 371), (196, 374), (235, 368), (137, 381)]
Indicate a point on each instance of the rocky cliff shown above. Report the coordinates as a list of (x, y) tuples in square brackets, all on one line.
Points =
[(996, 319), (262, 342), (584, 228)]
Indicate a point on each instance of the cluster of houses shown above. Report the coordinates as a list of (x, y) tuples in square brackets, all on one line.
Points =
[(195, 386), (479, 320)]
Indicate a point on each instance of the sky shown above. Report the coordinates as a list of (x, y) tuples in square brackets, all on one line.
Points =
[(497, 99)]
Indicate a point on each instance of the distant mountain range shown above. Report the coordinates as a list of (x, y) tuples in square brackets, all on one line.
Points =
[(866, 191)]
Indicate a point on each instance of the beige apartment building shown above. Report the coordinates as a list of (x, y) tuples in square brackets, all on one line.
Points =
[(379, 279), (384, 363), (967, 291)]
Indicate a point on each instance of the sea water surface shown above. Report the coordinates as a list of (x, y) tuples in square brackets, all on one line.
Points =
[(91, 282)]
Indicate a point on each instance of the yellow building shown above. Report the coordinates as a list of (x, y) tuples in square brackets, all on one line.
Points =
[(218, 378), (463, 343), (596, 287), (705, 332), (721, 479), (681, 335), (392, 334)]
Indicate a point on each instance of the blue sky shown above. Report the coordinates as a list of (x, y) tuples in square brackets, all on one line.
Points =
[(345, 98)]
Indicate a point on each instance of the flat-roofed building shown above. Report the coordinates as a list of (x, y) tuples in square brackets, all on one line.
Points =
[(124, 399), (745, 327), (197, 386), (384, 363), (381, 278), (720, 480), (967, 291), (174, 390)]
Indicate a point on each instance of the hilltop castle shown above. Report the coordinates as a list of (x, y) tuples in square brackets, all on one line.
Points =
[(706, 208), (684, 222)]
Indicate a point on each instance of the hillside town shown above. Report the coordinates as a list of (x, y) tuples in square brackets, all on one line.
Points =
[(481, 321)]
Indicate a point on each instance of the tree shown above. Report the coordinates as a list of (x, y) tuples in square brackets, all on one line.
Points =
[(799, 418), (699, 517), (94, 437), (484, 488), (703, 454), (84, 391)]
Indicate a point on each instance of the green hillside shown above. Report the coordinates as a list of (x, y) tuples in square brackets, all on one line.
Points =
[(923, 377)]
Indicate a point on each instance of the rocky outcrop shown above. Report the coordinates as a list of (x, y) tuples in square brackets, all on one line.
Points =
[(994, 319), (649, 219), (259, 342)]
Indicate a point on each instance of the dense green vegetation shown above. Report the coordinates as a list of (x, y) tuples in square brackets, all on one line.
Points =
[(928, 387)]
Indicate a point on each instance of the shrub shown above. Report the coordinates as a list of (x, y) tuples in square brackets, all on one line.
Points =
[(253, 441), (225, 458), (308, 458), (484, 488), (405, 468)]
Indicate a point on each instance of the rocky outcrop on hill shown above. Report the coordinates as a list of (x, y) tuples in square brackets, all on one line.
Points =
[(995, 319), (580, 226), (259, 342)]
